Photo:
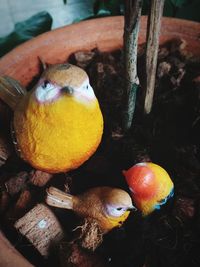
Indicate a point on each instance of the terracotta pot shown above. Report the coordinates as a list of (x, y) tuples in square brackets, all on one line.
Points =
[(10, 257), (56, 46)]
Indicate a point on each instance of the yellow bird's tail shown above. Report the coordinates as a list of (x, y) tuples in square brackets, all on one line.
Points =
[(11, 91), (59, 199)]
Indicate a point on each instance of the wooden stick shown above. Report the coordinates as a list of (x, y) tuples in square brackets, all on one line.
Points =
[(132, 16), (153, 32)]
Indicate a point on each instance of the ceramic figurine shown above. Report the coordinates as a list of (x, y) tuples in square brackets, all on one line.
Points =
[(110, 207), (57, 125), (150, 186)]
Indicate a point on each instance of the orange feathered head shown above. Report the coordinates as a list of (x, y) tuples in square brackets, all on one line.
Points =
[(150, 186)]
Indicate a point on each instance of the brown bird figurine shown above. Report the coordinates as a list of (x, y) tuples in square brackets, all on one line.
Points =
[(110, 207)]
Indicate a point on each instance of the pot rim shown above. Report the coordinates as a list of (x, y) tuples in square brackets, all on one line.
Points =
[(195, 27), (105, 34)]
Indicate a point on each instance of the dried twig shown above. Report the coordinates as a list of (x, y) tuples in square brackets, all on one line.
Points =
[(153, 31), (132, 17)]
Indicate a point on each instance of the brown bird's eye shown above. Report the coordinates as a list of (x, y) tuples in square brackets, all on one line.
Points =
[(46, 82), (119, 208)]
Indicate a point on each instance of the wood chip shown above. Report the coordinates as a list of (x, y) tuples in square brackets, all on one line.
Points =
[(41, 227), (40, 178), (83, 59), (16, 183)]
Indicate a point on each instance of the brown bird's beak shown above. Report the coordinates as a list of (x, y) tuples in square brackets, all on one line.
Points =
[(132, 208)]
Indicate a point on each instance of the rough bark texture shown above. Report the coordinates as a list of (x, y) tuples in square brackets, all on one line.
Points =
[(153, 32), (131, 28), (16, 183), (40, 178), (41, 228)]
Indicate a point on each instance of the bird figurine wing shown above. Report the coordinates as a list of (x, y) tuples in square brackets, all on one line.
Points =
[(164, 201), (11, 91)]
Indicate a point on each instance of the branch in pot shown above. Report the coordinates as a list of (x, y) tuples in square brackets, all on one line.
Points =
[(153, 31), (132, 16)]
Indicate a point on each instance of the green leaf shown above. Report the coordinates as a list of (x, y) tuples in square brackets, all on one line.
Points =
[(106, 8), (145, 7), (25, 30), (169, 9), (185, 9), (180, 3), (190, 11)]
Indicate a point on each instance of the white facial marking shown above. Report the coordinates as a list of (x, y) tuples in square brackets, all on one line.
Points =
[(131, 189), (42, 224), (141, 164), (46, 92), (115, 211), (84, 92)]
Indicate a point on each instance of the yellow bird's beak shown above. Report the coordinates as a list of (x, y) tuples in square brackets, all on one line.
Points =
[(68, 90)]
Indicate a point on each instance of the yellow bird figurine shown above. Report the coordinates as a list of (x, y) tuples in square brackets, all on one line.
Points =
[(150, 186), (58, 125), (110, 207)]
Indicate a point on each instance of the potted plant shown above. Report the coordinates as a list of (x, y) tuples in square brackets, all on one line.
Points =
[(104, 34)]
